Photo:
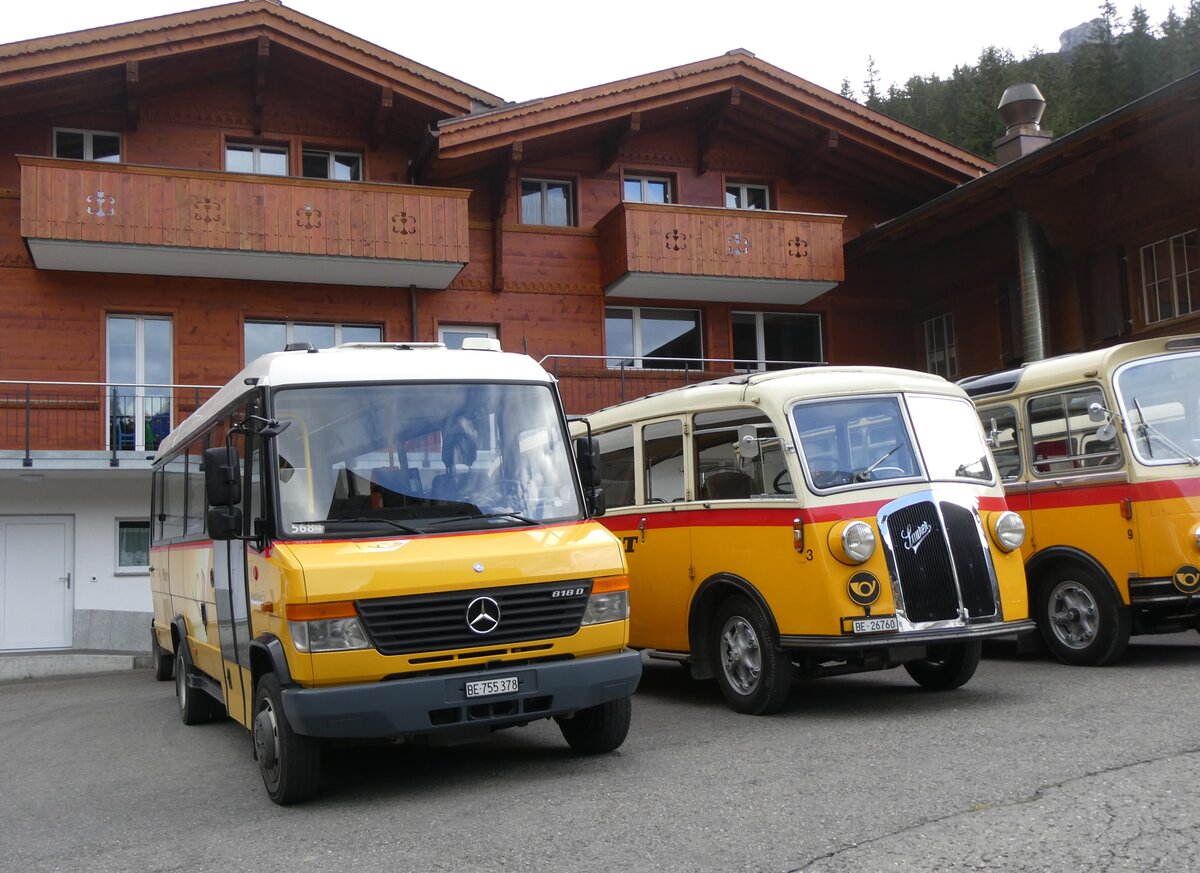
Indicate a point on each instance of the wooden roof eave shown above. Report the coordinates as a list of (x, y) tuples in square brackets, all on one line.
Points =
[(34, 60)]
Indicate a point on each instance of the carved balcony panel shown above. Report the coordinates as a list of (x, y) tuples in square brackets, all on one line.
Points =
[(121, 218), (668, 252)]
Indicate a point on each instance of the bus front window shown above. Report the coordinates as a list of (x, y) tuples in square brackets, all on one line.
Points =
[(948, 433), (855, 441), (421, 458), (1160, 405)]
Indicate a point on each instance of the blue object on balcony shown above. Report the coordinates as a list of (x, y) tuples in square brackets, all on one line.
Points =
[(157, 428), (122, 431)]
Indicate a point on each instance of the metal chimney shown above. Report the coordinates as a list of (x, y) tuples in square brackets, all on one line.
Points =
[(1021, 109)]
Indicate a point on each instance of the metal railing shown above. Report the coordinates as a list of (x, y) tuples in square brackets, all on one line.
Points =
[(591, 382), (110, 417)]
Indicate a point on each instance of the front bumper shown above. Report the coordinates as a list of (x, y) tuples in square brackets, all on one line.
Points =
[(438, 703), (906, 638)]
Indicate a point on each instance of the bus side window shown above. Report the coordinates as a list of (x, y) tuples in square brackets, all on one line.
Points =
[(1064, 438), (662, 457), (1000, 425), (721, 472), (616, 466)]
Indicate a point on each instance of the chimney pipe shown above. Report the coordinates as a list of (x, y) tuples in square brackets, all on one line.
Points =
[(1021, 109)]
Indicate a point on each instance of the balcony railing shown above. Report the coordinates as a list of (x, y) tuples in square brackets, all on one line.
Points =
[(84, 417), (590, 382), (705, 253), (102, 217)]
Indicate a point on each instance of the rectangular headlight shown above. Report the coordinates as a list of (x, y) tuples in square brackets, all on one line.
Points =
[(328, 635), (609, 606)]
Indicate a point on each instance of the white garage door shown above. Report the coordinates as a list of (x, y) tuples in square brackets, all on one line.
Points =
[(36, 589)]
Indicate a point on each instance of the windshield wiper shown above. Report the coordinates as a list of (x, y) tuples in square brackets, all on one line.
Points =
[(362, 519), (964, 471), (865, 475), (1146, 430), (483, 516)]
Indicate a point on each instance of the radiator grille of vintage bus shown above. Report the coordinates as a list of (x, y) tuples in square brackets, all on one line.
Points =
[(926, 553), (433, 622)]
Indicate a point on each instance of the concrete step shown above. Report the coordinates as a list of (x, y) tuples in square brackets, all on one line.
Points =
[(39, 665)]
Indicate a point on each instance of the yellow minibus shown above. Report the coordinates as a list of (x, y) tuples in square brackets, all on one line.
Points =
[(1100, 454), (386, 541), (808, 523)]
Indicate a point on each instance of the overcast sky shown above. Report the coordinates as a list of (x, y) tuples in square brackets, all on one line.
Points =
[(520, 50)]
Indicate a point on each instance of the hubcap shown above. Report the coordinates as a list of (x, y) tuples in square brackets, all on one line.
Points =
[(1074, 616), (741, 657), (266, 738)]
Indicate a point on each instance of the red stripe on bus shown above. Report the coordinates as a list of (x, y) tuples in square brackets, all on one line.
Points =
[(1091, 495)]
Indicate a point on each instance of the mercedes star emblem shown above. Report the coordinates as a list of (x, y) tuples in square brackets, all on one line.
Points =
[(483, 615)]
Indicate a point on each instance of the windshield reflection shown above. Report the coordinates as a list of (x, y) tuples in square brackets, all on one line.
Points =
[(421, 458), (1160, 404)]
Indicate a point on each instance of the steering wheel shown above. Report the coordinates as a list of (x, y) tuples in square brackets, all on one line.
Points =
[(782, 483)]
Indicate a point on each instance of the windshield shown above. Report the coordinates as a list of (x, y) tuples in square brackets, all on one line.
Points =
[(860, 441), (423, 458), (1160, 404)]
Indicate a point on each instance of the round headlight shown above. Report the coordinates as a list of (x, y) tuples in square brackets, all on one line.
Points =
[(1196, 535), (1008, 529), (852, 542)]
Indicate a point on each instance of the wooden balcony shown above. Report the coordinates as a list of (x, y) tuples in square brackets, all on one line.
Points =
[(729, 255), (120, 218)]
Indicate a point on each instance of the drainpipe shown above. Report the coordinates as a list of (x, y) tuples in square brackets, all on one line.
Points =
[(1033, 320), (412, 299)]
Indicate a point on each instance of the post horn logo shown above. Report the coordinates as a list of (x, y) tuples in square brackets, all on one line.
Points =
[(1187, 579), (863, 588)]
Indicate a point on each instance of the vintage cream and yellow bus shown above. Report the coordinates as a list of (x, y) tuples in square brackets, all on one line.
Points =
[(386, 541), (809, 523), (1100, 453)]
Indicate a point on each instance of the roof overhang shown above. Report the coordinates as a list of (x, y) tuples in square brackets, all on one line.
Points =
[(716, 289), (94, 257)]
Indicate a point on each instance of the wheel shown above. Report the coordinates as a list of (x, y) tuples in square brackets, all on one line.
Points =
[(290, 763), (755, 675), (1081, 618), (164, 661), (598, 729), (195, 707), (946, 667)]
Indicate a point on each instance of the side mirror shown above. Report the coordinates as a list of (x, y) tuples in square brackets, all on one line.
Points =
[(587, 457), (225, 522), (748, 441), (993, 436), (222, 484), (595, 501), (1097, 412)]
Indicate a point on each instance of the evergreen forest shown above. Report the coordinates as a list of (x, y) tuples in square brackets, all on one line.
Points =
[(1118, 62)]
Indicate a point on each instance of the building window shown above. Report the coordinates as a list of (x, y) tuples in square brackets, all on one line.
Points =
[(138, 398), (342, 166), (133, 546), (776, 340), (646, 189), (658, 339), (452, 335), (263, 337), (264, 160), (544, 201), (939, 346), (738, 196), (1171, 277), (87, 145)]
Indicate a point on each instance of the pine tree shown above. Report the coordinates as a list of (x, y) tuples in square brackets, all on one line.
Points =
[(871, 85), (846, 90)]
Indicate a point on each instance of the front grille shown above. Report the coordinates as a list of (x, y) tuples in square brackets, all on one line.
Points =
[(433, 622), (970, 560), (946, 544), (925, 572)]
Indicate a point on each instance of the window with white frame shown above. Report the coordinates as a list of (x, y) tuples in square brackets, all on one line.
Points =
[(261, 159), (940, 357), (1171, 277), (138, 396), (776, 340), (323, 164), (133, 546), (547, 201), (654, 339), (646, 189), (743, 196), (262, 337), (452, 335), (87, 145)]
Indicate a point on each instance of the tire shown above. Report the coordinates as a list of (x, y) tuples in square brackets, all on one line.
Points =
[(195, 706), (598, 729), (290, 763), (754, 674), (947, 666), (1081, 617), (164, 661)]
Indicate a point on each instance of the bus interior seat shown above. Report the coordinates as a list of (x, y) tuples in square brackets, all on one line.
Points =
[(727, 485), (1053, 456), (395, 486)]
